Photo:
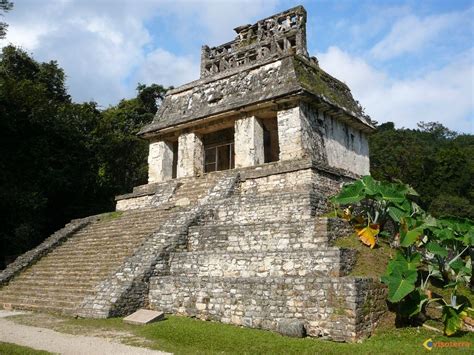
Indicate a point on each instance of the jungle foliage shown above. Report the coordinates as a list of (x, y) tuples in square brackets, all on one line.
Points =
[(427, 249), (59, 159), (437, 162)]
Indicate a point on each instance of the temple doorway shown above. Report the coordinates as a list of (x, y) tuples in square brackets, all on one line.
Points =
[(219, 150)]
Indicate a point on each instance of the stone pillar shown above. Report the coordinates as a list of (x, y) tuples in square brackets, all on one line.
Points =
[(190, 155), (160, 162), (248, 142), (290, 133)]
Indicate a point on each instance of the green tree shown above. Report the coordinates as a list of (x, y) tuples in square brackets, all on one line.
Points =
[(62, 160), (5, 5), (436, 161), (48, 158), (121, 153)]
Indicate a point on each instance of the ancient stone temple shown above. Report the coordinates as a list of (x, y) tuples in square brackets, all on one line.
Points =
[(229, 226)]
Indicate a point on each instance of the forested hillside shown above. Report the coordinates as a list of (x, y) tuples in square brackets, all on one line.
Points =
[(61, 160), (436, 161)]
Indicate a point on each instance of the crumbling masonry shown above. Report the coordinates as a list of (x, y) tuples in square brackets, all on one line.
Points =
[(229, 226)]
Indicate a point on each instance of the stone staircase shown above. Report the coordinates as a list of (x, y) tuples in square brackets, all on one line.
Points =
[(60, 280), (71, 272)]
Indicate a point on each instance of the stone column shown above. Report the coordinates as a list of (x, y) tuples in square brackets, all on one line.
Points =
[(190, 155), (248, 142), (291, 133), (160, 162)]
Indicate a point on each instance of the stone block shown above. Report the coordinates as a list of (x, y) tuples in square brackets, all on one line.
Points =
[(291, 328), (144, 316)]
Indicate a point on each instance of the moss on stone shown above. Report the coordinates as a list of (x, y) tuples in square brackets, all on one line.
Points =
[(110, 216), (317, 81), (370, 262)]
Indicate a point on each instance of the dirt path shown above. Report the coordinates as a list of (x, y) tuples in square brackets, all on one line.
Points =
[(55, 342)]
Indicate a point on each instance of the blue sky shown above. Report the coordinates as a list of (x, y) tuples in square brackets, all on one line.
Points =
[(405, 61)]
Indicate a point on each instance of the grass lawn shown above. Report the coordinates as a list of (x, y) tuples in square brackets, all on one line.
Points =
[(13, 349), (182, 335)]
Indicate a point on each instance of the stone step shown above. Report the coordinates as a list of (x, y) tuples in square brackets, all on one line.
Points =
[(122, 228), (70, 295), (73, 263), (147, 222), (259, 236), (59, 278), (68, 273), (90, 255), (116, 243), (332, 262), (64, 310), (36, 303), (26, 286), (64, 267)]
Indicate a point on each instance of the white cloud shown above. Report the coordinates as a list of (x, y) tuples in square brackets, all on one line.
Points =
[(215, 19), (445, 95), (106, 47), (171, 69), (411, 33)]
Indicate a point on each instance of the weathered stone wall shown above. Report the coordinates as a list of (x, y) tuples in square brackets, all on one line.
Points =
[(279, 235), (336, 308), (275, 36), (155, 195), (306, 133), (134, 203), (248, 142), (345, 147), (290, 135), (262, 258), (326, 262)]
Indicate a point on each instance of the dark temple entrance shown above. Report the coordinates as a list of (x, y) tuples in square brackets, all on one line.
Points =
[(219, 150)]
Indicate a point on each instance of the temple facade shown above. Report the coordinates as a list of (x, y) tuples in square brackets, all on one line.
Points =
[(260, 99)]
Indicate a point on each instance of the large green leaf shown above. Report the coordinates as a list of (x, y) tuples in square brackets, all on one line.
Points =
[(436, 249), (456, 264), (411, 236), (453, 319), (469, 238), (397, 213), (402, 263), (349, 194), (371, 186), (400, 284), (413, 303), (401, 275), (391, 193)]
